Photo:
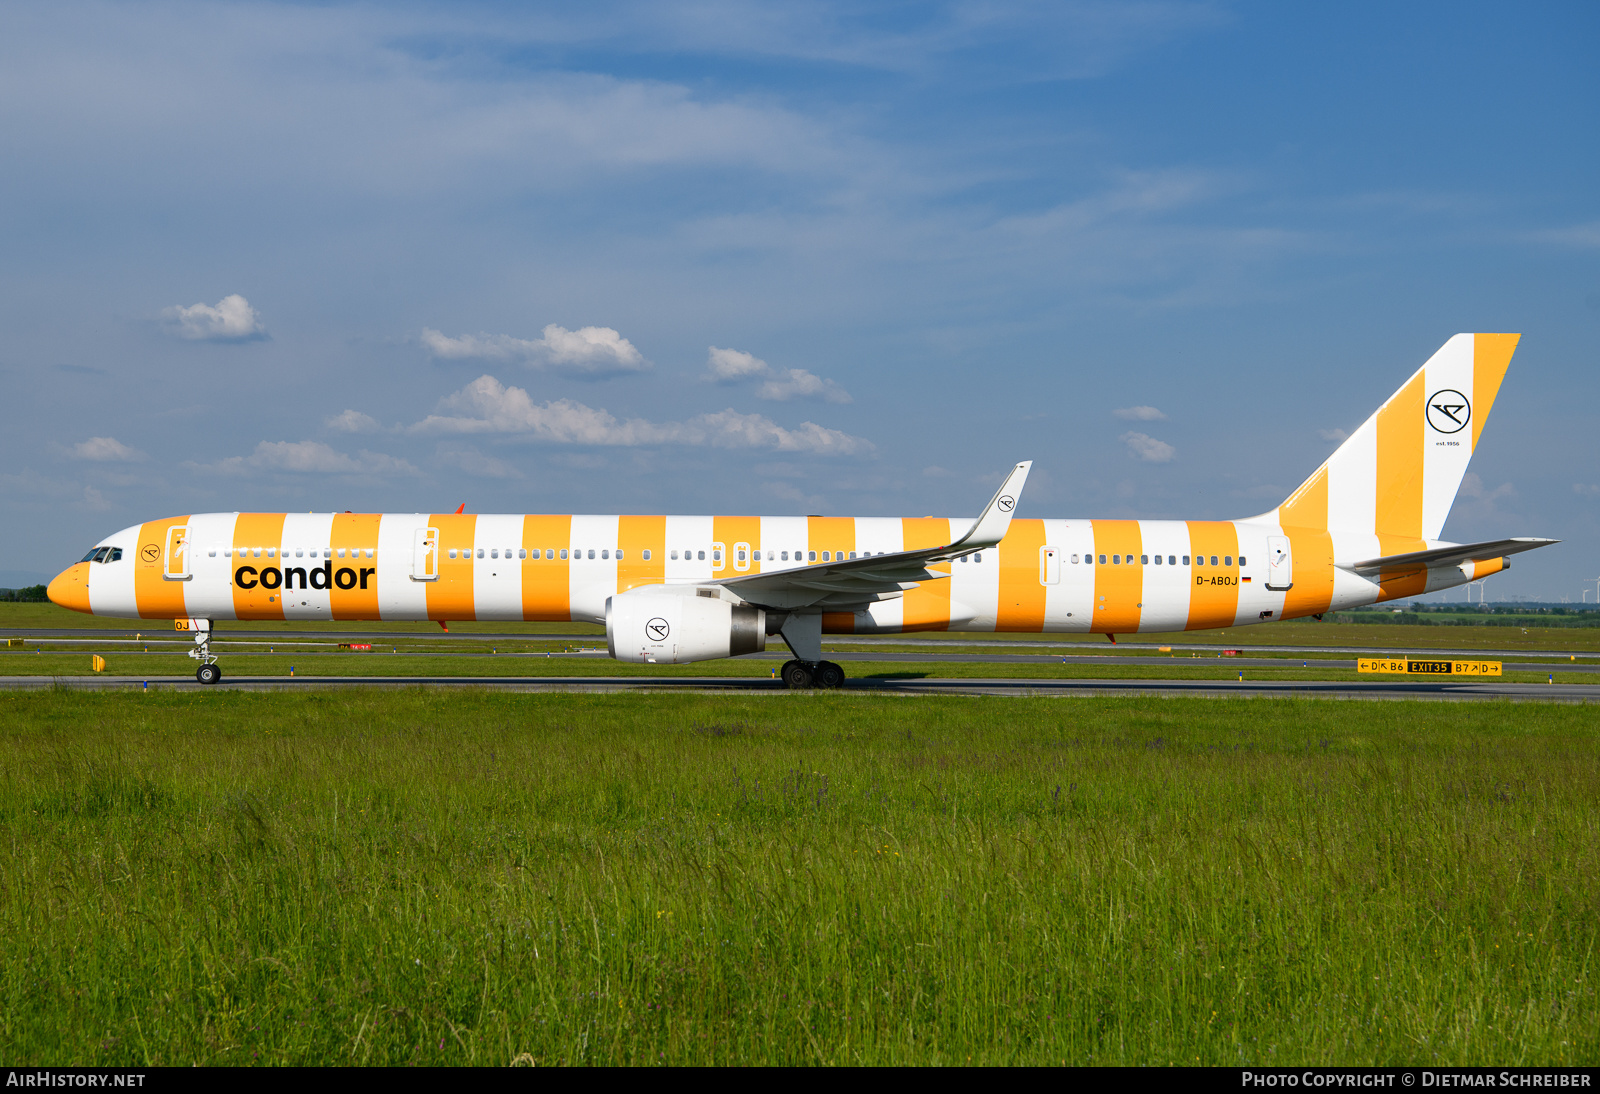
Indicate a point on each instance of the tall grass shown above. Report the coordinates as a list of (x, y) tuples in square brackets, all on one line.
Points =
[(451, 876)]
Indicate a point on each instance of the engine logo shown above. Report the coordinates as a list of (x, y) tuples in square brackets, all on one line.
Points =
[(657, 629)]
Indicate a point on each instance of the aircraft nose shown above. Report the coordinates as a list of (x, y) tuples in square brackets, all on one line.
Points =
[(70, 589)]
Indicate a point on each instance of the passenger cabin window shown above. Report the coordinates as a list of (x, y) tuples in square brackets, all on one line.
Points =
[(1241, 560), (813, 556), (1227, 560), (647, 554), (603, 554), (1186, 560), (716, 556), (978, 557), (1158, 559), (1172, 560), (1213, 560), (1144, 560), (1074, 560)]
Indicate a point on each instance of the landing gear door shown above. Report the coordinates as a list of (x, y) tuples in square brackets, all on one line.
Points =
[(425, 555), (1280, 566), (175, 566)]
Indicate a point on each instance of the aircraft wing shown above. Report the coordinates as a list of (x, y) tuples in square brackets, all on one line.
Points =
[(851, 583), (1448, 556)]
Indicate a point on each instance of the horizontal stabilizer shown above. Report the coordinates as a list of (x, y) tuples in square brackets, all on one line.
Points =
[(1448, 556)]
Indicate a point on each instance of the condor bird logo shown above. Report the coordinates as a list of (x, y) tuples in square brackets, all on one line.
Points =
[(657, 629), (1449, 411)]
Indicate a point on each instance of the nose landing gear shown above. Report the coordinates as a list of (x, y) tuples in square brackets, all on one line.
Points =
[(208, 672)]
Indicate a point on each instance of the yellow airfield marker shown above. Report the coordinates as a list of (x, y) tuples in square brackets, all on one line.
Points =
[(1409, 667)]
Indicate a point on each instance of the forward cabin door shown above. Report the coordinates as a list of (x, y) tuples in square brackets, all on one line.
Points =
[(176, 564), (1280, 566), (425, 555)]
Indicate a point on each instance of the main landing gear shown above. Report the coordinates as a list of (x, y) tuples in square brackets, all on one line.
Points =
[(209, 672), (798, 675)]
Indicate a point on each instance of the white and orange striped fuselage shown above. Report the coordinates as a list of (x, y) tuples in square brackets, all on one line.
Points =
[(1100, 576)]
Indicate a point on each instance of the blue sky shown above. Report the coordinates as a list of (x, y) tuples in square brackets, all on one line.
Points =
[(729, 257)]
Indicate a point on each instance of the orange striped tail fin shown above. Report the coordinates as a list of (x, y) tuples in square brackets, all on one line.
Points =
[(1397, 475)]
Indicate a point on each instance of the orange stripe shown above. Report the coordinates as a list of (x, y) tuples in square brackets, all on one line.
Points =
[(1307, 507), (1021, 604), (1491, 355), (636, 535), (730, 530), (1118, 587), (252, 531), (450, 597), (356, 532), (1214, 595), (547, 583), (1488, 566), (1311, 554), (927, 607), (1398, 583), (1398, 508), (155, 596), (837, 536)]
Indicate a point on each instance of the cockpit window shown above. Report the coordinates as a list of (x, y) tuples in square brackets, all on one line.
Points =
[(103, 554), (90, 556)]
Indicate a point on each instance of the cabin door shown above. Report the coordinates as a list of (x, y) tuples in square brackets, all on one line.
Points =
[(1280, 565)]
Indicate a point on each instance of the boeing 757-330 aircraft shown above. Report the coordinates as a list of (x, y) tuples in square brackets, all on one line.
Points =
[(1363, 528)]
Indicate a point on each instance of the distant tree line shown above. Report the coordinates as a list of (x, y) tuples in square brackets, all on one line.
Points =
[(33, 594), (1493, 615)]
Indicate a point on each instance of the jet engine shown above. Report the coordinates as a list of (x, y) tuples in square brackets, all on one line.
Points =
[(653, 626)]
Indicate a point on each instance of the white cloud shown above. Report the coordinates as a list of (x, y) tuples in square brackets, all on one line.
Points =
[(353, 421), (231, 320), (730, 366), (488, 406), (311, 457), (588, 352), (94, 499), (106, 449), (477, 463), (1147, 448), (1333, 434), (1581, 236), (1472, 487), (1586, 489), (1140, 414)]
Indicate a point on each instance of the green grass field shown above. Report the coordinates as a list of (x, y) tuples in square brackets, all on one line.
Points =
[(449, 877)]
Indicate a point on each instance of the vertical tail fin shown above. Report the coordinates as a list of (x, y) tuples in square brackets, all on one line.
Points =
[(1397, 475)]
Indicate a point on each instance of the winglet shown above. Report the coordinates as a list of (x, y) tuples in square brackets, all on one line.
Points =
[(462, 508), (991, 527)]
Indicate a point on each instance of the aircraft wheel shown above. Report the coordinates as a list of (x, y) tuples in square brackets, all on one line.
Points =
[(208, 674), (829, 675), (796, 675)]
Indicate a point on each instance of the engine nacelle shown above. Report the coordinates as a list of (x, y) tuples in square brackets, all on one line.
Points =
[(648, 626)]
